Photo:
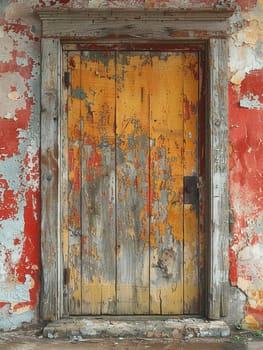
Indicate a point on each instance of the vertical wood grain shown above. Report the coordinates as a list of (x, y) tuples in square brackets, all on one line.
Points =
[(64, 165), (190, 217), (50, 90), (132, 170), (219, 205), (98, 182), (74, 186), (166, 183)]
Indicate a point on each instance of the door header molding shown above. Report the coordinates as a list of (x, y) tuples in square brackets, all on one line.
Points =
[(135, 24)]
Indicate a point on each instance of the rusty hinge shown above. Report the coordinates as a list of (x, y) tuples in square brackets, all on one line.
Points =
[(66, 79), (66, 274)]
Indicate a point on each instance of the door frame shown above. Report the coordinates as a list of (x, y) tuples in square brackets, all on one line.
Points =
[(206, 27)]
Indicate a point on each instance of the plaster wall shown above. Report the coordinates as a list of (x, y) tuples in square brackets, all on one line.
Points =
[(19, 154)]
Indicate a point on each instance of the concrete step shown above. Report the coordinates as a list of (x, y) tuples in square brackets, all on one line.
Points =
[(135, 327)]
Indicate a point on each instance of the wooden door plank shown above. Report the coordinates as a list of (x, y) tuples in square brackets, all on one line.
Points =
[(132, 133), (166, 182), (98, 182), (74, 206), (191, 232), (64, 166)]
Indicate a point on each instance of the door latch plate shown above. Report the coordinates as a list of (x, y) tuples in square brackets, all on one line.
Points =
[(190, 190)]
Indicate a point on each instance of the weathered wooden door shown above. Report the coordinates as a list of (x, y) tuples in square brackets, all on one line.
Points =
[(131, 237)]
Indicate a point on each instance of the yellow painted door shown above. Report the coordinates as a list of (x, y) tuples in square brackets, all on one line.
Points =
[(131, 238)]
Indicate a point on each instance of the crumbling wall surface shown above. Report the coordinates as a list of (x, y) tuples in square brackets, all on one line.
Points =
[(246, 160), (19, 164), (20, 140)]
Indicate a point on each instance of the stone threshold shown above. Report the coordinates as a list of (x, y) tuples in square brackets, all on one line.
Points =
[(78, 328)]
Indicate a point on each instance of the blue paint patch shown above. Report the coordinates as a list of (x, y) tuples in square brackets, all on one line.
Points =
[(79, 93), (103, 57), (21, 61), (88, 104)]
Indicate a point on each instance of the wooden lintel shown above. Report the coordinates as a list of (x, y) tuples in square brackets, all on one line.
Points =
[(136, 24)]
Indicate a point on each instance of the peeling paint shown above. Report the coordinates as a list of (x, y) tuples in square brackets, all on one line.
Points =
[(246, 45), (10, 320), (250, 280), (15, 292), (19, 171), (246, 170), (19, 153), (79, 93), (251, 102)]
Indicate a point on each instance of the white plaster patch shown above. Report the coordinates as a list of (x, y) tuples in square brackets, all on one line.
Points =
[(9, 230), (22, 61), (253, 217), (6, 47), (253, 289), (254, 224), (10, 171), (5, 57), (249, 253), (13, 95), (238, 203), (19, 310), (12, 92), (23, 10), (252, 34), (1, 32), (251, 102), (246, 52), (2, 193), (14, 292), (31, 171), (243, 59), (250, 272), (12, 320)]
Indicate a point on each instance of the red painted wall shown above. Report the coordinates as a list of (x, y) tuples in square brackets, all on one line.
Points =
[(246, 189)]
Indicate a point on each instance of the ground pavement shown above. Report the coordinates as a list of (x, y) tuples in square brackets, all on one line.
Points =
[(32, 339)]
